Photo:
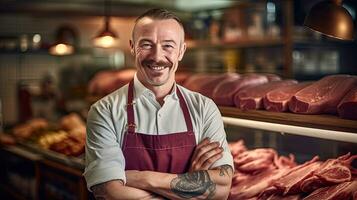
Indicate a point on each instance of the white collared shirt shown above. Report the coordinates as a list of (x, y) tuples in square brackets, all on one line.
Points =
[(107, 119)]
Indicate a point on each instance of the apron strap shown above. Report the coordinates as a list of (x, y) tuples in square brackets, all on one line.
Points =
[(186, 112), (130, 108)]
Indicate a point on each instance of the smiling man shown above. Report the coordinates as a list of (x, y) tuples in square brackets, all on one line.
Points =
[(152, 138)]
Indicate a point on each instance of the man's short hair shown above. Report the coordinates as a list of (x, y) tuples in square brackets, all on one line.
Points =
[(160, 14)]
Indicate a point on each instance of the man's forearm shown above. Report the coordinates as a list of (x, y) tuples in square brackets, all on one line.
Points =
[(115, 190), (204, 184)]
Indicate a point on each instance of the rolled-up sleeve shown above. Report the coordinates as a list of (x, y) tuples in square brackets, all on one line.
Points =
[(214, 129), (104, 158)]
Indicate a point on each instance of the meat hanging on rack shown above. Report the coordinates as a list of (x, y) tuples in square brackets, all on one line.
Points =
[(264, 175)]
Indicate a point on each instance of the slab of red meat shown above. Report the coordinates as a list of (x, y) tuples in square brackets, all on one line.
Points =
[(205, 83), (330, 172), (342, 191), (268, 192), (253, 185), (224, 91), (105, 82), (254, 161), (272, 77), (207, 87), (290, 183), (251, 97), (239, 177), (237, 147), (196, 81), (347, 108), (323, 96), (277, 100), (181, 77)]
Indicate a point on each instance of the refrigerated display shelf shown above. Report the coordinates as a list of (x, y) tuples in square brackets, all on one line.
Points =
[(319, 126)]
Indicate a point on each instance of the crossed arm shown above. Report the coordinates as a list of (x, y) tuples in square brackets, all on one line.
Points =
[(199, 183)]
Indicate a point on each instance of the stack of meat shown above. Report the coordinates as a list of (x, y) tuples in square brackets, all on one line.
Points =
[(335, 94), (262, 174)]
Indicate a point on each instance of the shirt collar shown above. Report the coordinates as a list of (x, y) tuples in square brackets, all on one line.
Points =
[(140, 89)]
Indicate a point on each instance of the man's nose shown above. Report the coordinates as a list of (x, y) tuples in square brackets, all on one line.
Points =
[(157, 54)]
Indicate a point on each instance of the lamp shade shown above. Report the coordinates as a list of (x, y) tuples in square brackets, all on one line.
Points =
[(331, 19), (106, 38), (66, 41)]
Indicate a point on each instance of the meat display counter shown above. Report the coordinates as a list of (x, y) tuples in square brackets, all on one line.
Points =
[(287, 156), (269, 128)]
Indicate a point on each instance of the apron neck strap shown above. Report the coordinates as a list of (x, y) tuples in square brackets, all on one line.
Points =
[(130, 109), (185, 110)]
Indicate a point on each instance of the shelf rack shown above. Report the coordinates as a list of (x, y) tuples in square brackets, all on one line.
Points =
[(318, 126)]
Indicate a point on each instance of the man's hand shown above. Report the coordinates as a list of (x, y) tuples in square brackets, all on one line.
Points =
[(206, 153)]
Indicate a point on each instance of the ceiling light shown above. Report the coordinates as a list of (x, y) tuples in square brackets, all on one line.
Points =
[(106, 37), (66, 40), (330, 18)]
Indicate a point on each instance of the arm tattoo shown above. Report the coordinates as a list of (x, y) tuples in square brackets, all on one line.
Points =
[(193, 184), (99, 191), (224, 170)]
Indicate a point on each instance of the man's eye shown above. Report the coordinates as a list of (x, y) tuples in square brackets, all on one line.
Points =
[(168, 46), (146, 46)]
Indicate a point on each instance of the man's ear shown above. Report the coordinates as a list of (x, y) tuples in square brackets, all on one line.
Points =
[(132, 51), (182, 51)]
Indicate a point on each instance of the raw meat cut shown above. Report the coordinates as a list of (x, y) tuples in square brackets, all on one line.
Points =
[(196, 81), (251, 97), (277, 100), (323, 96), (181, 77), (330, 172), (207, 88), (340, 191), (237, 147), (252, 185), (347, 108), (224, 92), (272, 77), (290, 183), (105, 82), (254, 160)]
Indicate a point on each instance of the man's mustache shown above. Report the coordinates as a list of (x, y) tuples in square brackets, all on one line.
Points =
[(160, 63)]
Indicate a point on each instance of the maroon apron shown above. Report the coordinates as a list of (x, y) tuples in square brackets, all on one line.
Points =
[(170, 153)]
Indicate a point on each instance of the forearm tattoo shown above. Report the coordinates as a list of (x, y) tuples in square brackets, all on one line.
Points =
[(193, 184), (225, 170), (99, 191)]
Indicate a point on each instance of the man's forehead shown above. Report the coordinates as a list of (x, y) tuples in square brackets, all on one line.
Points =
[(147, 26)]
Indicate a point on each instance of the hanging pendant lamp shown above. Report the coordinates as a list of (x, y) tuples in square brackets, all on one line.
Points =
[(330, 18), (106, 37), (66, 41)]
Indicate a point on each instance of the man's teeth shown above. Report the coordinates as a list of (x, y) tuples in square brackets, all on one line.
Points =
[(157, 67)]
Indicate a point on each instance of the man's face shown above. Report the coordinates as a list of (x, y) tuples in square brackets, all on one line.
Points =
[(158, 46)]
